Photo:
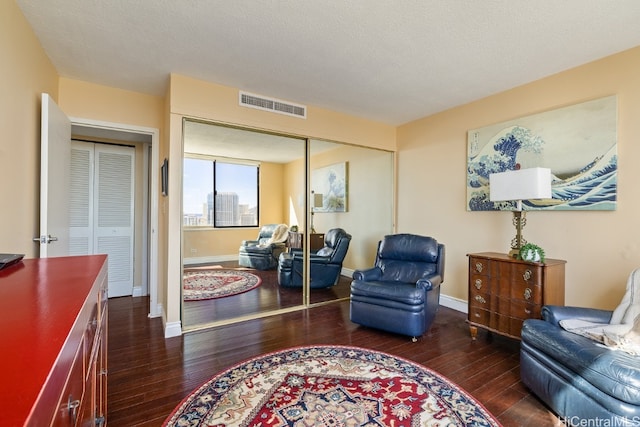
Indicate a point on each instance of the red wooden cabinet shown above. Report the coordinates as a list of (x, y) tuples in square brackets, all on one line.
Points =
[(53, 328)]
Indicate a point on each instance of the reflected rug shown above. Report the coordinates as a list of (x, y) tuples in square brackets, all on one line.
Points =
[(209, 284), (329, 386)]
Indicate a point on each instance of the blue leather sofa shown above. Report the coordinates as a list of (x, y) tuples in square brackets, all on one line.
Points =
[(583, 381), (263, 253), (325, 264), (401, 292)]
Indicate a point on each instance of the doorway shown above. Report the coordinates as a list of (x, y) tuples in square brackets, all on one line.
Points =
[(147, 143), (101, 214)]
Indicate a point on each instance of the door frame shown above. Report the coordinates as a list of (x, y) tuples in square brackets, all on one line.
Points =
[(150, 228)]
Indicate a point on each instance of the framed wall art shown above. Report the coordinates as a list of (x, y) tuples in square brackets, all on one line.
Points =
[(331, 182), (578, 143), (164, 175)]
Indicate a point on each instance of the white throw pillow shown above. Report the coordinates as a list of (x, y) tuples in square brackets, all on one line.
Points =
[(629, 307)]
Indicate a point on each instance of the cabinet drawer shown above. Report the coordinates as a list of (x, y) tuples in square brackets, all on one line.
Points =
[(478, 266), (525, 292), (71, 398), (480, 283), (525, 310), (528, 274), (479, 299), (479, 315)]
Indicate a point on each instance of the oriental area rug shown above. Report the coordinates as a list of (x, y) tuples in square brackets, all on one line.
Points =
[(209, 284), (329, 386)]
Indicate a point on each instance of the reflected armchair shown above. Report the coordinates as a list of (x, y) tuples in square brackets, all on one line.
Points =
[(401, 293), (262, 254), (326, 263)]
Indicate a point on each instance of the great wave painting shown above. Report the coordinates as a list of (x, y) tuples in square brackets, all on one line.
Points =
[(578, 143)]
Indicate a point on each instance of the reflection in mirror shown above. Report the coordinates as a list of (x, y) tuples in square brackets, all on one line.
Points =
[(228, 271), (247, 172), (352, 189)]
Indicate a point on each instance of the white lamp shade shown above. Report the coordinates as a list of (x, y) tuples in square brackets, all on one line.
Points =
[(522, 184)]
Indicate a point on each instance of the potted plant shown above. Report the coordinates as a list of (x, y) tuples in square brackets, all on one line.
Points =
[(531, 252)]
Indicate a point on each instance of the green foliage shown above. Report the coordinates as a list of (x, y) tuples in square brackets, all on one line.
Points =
[(529, 249)]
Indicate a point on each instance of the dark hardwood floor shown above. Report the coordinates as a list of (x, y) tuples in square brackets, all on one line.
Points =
[(269, 296), (150, 375)]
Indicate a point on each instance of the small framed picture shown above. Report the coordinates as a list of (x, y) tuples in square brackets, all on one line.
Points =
[(165, 177)]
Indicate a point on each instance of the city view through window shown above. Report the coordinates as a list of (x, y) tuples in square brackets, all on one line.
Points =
[(236, 194)]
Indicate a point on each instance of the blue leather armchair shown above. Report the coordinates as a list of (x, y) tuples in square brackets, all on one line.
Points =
[(263, 253), (583, 381), (325, 264), (401, 293)]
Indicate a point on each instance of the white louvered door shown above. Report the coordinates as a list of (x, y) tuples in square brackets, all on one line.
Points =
[(102, 208), (81, 199)]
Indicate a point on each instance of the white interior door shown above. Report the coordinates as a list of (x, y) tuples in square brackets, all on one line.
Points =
[(114, 214), (102, 208), (55, 154), (81, 199)]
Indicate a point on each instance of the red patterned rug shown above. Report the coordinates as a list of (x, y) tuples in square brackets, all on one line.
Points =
[(209, 284), (329, 386)]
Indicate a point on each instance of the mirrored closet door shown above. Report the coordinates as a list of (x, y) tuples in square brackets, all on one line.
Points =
[(239, 183)]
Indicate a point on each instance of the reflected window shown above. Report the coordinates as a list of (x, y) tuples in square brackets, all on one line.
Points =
[(220, 194)]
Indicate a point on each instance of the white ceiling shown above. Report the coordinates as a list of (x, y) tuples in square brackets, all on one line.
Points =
[(224, 141), (389, 61)]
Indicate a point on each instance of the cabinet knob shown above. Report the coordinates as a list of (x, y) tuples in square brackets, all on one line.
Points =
[(72, 407), (527, 274), (479, 267), (480, 299), (478, 284), (527, 293)]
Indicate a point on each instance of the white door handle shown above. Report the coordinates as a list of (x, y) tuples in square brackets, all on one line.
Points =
[(45, 239)]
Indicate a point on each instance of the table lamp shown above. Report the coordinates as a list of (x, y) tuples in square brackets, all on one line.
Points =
[(519, 185)]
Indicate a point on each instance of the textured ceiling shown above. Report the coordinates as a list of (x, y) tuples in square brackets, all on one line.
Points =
[(389, 61)]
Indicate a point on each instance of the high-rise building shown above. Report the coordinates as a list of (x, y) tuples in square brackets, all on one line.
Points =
[(227, 209)]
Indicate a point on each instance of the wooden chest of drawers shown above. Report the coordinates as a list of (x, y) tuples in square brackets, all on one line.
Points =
[(503, 291)]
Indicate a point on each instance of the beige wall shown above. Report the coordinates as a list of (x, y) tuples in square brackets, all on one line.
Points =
[(25, 73), (199, 99), (601, 248)]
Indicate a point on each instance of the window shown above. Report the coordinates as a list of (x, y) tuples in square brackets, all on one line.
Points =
[(235, 186)]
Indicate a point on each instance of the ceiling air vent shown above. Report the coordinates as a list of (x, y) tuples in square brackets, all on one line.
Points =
[(273, 105)]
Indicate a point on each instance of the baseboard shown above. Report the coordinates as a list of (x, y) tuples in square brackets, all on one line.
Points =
[(137, 291), (454, 303), (158, 312), (348, 272), (172, 329), (209, 259)]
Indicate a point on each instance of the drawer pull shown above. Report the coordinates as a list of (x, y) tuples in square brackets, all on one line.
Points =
[(527, 293), (480, 299), (478, 284), (72, 407), (527, 311), (527, 274), (479, 267)]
